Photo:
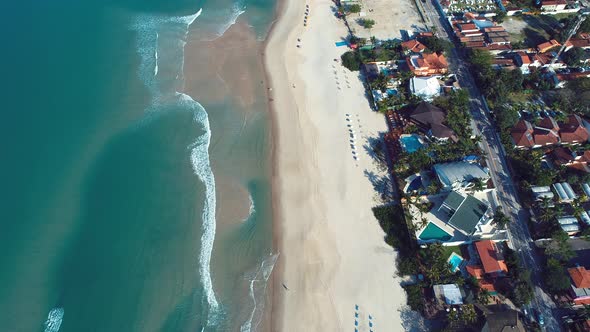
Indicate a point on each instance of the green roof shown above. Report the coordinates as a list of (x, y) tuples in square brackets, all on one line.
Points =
[(454, 200), (468, 214)]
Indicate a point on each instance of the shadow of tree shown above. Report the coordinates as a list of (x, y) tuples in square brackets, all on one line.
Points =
[(376, 149), (381, 184)]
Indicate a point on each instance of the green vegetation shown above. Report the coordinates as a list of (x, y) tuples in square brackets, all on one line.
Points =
[(393, 222), (500, 15), (500, 219), (386, 52), (415, 297), (520, 289), (435, 44), (366, 23), (351, 60), (355, 8), (527, 164), (555, 277), (559, 248), (572, 57)]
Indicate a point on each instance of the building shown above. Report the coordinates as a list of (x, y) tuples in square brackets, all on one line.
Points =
[(430, 119), (522, 61), (413, 46), (546, 46), (580, 288), (425, 87), (553, 5), (502, 321), (569, 224), (573, 130), (466, 213), (564, 191), (427, 64), (460, 175), (491, 258), (449, 294), (542, 192), (524, 135)]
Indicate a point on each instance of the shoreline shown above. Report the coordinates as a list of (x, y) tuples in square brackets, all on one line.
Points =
[(273, 313)]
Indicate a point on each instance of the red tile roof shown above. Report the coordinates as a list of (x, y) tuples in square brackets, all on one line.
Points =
[(414, 46), (475, 270), (549, 123), (468, 27), (490, 257), (522, 134), (524, 57), (573, 130), (546, 46), (562, 155), (580, 276), (544, 136)]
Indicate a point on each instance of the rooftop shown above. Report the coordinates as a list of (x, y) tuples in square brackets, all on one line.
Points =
[(491, 258), (449, 293), (468, 215), (459, 172), (580, 276)]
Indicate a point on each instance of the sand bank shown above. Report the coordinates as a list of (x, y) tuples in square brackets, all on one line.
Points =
[(332, 254)]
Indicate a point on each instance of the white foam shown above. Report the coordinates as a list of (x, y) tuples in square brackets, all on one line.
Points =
[(261, 277), (54, 319), (238, 9), (252, 208), (148, 39)]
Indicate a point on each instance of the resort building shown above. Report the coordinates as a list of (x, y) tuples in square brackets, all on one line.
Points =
[(430, 120), (580, 288), (553, 5), (425, 87), (427, 64), (541, 192), (569, 224), (457, 218), (565, 192), (573, 131), (491, 258), (460, 175), (502, 321)]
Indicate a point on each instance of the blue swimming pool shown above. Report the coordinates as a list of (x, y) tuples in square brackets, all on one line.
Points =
[(411, 143), (455, 262), (433, 232)]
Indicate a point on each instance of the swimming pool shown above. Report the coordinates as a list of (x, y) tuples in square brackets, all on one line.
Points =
[(411, 143), (455, 261), (433, 232), (415, 184)]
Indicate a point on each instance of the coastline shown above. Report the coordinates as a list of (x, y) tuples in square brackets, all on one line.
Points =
[(321, 195)]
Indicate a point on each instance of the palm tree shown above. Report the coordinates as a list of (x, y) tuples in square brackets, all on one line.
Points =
[(547, 215), (468, 314), (483, 296), (545, 201)]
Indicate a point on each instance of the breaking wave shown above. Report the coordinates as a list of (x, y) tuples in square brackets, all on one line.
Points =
[(257, 292), (162, 39), (54, 318)]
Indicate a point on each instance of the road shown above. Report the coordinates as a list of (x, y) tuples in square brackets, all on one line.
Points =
[(518, 232)]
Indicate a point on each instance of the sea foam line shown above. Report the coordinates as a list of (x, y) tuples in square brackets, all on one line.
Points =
[(261, 276), (54, 319), (148, 39)]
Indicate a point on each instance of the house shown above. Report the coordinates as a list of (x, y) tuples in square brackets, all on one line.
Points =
[(523, 61), (427, 64), (582, 40), (449, 294), (541, 192), (491, 258), (425, 87), (569, 224), (546, 46), (466, 213), (413, 46), (553, 5), (580, 288), (502, 321), (524, 135), (430, 119), (460, 175), (503, 63), (573, 130)]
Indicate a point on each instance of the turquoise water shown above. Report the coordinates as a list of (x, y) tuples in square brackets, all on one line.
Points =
[(433, 232), (410, 143), (455, 261), (114, 213)]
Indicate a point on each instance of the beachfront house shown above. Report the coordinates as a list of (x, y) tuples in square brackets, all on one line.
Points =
[(425, 87), (457, 218), (460, 175), (491, 261), (431, 120)]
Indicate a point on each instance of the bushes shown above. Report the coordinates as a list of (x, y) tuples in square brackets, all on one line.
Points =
[(366, 23), (351, 60), (415, 298), (356, 8)]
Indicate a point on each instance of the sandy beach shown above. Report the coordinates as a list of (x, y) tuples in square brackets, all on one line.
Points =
[(333, 261)]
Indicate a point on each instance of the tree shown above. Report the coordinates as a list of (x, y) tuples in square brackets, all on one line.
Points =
[(356, 8), (559, 248), (468, 314), (366, 23), (436, 44), (500, 16), (572, 57), (500, 218), (483, 296), (351, 60), (555, 277), (478, 184)]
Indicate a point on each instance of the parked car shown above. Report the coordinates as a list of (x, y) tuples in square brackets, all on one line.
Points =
[(540, 318)]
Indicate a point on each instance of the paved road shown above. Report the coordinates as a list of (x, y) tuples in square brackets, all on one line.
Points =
[(518, 232)]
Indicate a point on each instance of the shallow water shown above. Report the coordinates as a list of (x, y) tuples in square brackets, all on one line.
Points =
[(130, 200)]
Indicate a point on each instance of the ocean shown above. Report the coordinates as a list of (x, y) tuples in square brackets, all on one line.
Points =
[(135, 169)]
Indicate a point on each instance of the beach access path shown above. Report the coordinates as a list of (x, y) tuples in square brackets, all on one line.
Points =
[(334, 270)]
